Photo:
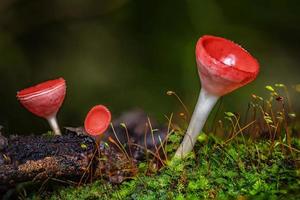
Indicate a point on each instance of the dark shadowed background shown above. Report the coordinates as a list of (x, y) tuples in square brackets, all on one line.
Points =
[(128, 53)]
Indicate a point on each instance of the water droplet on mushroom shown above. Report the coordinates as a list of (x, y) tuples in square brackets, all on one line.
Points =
[(229, 60)]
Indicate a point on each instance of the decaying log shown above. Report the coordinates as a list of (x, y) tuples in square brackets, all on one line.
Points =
[(66, 157), (75, 155)]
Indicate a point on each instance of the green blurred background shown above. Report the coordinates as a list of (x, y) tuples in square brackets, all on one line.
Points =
[(128, 53)]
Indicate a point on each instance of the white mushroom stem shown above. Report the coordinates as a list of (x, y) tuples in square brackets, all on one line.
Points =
[(53, 124), (205, 103)]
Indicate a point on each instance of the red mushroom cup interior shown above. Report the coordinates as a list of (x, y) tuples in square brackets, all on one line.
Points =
[(97, 120), (44, 99), (223, 65)]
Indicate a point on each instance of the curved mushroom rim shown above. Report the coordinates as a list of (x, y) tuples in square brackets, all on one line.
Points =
[(41, 89), (213, 48), (37, 94)]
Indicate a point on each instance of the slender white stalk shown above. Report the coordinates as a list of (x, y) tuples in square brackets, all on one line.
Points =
[(53, 124), (205, 103)]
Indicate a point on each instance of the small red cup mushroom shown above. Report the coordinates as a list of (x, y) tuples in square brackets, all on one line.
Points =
[(44, 100), (97, 121), (223, 66)]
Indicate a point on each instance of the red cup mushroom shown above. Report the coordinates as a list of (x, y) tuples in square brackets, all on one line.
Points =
[(97, 120), (223, 66), (44, 100)]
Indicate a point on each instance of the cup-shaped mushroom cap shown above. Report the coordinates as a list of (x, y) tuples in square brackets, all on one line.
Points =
[(224, 66), (97, 120), (44, 99)]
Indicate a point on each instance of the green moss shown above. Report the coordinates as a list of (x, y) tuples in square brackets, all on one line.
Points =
[(237, 170)]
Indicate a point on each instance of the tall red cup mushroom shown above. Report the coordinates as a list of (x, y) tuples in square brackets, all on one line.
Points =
[(97, 120), (44, 100), (223, 66)]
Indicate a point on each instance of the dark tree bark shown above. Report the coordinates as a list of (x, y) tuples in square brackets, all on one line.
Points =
[(67, 157)]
